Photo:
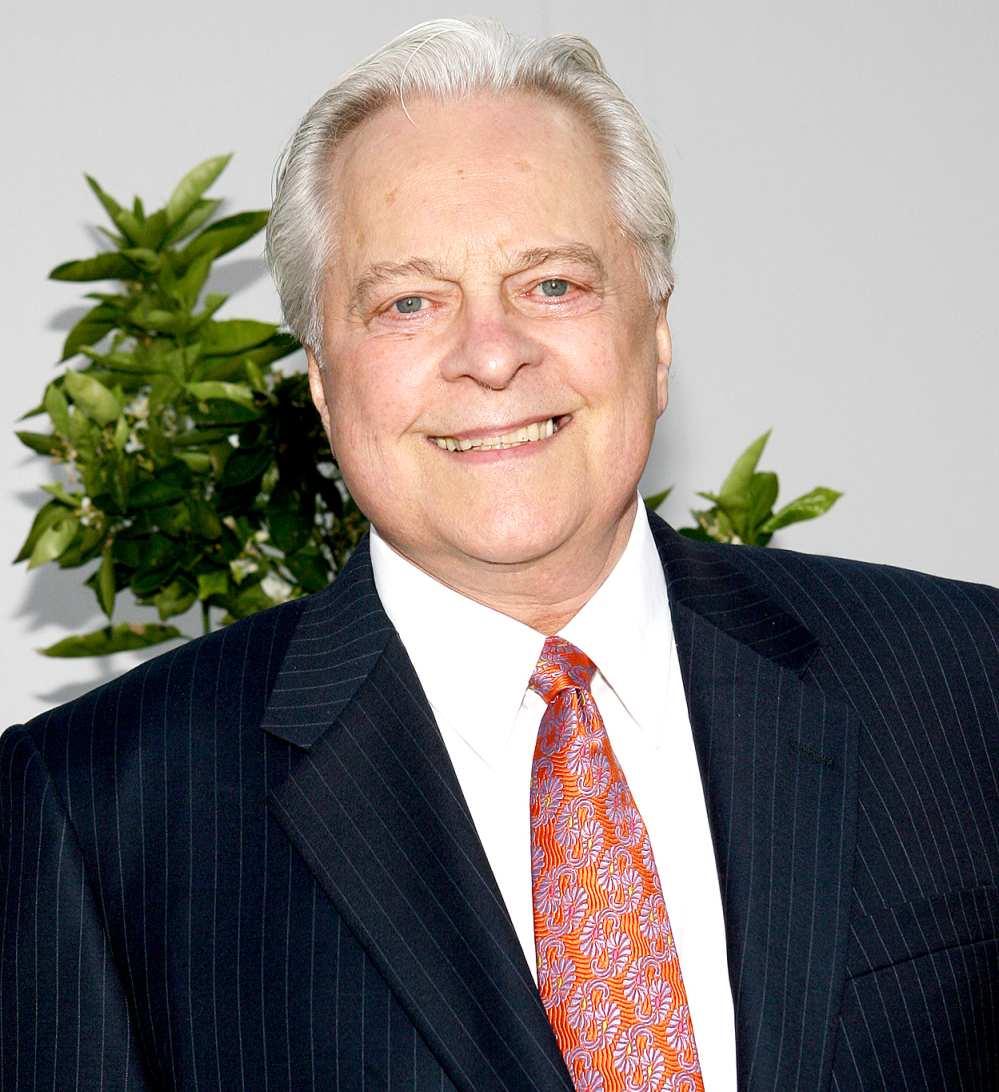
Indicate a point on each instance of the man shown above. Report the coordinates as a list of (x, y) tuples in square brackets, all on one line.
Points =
[(538, 794)]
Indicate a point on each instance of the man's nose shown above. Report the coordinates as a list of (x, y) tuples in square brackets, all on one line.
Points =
[(492, 346)]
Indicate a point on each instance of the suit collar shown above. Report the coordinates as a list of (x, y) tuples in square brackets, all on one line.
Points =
[(341, 634)]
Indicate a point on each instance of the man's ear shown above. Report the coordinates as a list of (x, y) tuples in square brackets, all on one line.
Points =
[(317, 388), (664, 357)]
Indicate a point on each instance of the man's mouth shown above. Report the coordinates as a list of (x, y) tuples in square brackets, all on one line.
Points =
[(525, 434)]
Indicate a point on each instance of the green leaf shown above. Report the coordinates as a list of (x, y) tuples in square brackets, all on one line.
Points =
[(104, 267), (53, 541), (57, 408), (189, 286), (807, 506), (228, 392), (154, 230), (190, 188), (83, 437), (86, 545), (212, 302), (151, 580), (122, 219), (199, 462), (696, 533), (105, 583), (122, 362), (234, 336), (202, 211), (121, 434), (249, 601), (50, 513), (174, 519), (310, 569), (174, 599), (763, 489), (42, 442), (121, 638), (213, 583), (95, 324), (653, 502), (289, 528), (58, 490), (715, 524), (244, 465), (33, 412), (279, 346), (144, 258), (216, 414), (156, 319), (170, 484), (734, 493), (204, 519), (151, 494), (96, 401), (224, 235), (197, 437)]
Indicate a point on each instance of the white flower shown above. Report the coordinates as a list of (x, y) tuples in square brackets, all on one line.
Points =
[(139, 406), (275, 587), (241, 567)]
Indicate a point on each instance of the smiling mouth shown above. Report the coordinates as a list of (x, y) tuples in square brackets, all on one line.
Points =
[(526, 434)]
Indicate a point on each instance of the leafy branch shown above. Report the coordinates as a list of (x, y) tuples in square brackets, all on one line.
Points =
[(742, 511), (193, 471)]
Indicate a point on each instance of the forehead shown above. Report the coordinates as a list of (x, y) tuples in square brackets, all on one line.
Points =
[(481, 123), (483, 170)]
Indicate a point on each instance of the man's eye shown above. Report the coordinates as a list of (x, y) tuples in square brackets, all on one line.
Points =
[(408, 305), (554, 287)]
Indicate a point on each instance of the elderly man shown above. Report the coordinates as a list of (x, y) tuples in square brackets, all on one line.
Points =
[(538, 794)]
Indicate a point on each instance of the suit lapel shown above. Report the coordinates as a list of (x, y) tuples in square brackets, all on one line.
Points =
[(777, 759), (375, 808)]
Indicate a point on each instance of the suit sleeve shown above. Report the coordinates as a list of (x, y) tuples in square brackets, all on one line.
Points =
[(64, 1016)]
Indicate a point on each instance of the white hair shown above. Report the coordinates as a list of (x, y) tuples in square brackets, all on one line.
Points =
[(449, 59)]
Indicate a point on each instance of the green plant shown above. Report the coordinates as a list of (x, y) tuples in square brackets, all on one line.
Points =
[(742, 511), (192, 471)]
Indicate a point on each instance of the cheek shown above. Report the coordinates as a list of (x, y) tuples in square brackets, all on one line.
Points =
[(374, 403)]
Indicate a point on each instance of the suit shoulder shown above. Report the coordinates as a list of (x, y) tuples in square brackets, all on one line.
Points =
[(232, 668), (823, 578), (884, 615)]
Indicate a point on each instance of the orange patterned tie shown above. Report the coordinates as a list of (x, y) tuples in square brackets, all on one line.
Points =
[(607, 966)]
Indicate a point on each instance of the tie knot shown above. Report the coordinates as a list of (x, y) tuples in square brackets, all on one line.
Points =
[(561, 666)]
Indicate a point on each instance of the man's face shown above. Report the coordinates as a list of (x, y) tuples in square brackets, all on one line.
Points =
[(484, 334)]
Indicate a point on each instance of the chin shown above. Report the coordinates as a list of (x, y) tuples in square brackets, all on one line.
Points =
[(512, 535)]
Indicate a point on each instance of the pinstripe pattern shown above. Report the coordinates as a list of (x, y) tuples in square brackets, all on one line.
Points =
[(189, 902)]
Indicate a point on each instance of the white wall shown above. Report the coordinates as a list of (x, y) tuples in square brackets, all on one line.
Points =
[(835, 173)]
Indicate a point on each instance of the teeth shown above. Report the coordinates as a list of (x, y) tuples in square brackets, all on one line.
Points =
[(526, 435)]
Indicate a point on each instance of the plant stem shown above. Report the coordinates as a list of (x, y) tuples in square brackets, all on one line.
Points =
[(206, 617)]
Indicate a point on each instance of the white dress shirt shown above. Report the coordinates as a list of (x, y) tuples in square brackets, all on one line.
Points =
[(474, 664)]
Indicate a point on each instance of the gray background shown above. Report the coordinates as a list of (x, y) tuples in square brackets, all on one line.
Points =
[(835, 175)]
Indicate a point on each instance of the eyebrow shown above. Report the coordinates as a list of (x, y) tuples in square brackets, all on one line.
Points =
[(381, 272)]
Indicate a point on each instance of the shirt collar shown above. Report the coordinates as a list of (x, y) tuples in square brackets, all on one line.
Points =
[(471, 657), (625, 628), (467, 655)]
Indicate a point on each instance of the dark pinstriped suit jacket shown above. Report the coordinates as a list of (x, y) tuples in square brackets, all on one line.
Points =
[(248, 864)]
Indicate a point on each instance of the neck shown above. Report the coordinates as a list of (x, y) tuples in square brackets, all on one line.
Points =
[(545, 593)]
